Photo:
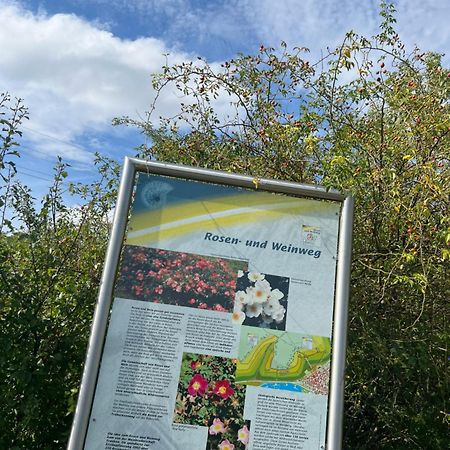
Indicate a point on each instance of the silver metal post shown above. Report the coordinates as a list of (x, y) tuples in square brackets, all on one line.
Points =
[(95, 346), (336, 399), (232, 179)]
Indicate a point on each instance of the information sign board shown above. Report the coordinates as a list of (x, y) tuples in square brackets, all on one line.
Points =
[(222, 324)]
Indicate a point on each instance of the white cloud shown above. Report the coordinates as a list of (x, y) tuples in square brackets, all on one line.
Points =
[(319, 24), (168, 7), (310, 23), (425, 23), (241, 25), (74, 76)]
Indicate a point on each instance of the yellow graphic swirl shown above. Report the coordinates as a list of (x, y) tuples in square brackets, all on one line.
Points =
[(215, 214)]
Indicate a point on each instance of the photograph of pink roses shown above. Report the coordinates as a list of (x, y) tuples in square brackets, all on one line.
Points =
[(261, 300), (177, 278), (208, 396)]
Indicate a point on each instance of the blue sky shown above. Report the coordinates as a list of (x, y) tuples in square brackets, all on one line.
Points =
[(79, 63)]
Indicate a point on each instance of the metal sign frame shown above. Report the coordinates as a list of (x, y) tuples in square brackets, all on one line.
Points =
[(105, 296)]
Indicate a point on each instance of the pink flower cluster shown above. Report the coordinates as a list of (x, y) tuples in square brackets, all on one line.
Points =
[(208, 397), (198, 385), (184, 279), (218, 427)]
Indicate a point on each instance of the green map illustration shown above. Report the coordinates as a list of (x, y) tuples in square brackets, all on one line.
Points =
[(270, 356)]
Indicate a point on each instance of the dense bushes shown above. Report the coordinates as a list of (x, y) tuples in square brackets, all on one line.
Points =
[(372, 119), (374, 122)]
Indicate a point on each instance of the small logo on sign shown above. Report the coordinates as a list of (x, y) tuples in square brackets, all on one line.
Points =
[(311, 235), (154, 194)]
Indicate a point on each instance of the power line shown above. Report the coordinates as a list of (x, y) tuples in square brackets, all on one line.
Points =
[(53, 138), (28, 173), (34, 176), (20, 167)]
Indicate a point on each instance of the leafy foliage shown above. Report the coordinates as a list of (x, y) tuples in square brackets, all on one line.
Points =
[(11, 117), (371, 119), (50, 263), (177, 278)]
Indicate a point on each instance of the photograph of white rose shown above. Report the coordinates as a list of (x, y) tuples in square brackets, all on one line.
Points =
[(261, 300)]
